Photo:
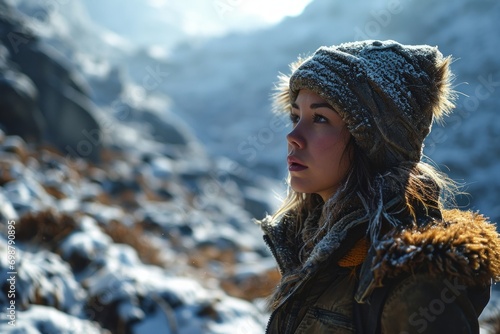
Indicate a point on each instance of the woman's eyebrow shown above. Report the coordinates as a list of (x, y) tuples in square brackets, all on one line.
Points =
[(321, 105), (314, 106)]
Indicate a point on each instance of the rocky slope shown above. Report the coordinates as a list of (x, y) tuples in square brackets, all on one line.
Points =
[(113, 216)]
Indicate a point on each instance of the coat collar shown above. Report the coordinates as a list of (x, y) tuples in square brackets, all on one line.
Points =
[(462, 244)]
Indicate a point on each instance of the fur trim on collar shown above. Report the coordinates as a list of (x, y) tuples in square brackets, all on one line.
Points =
[(464, 244)]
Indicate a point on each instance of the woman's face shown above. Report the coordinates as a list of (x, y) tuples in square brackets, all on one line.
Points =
[(317, 156)]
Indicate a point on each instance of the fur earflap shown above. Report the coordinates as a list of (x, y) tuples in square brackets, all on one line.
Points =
[(445, 96), (281, 97)]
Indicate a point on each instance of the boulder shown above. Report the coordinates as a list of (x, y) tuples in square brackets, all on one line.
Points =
[(63, 102)]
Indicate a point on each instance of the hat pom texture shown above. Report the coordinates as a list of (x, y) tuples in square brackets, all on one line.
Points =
[(387, 93)]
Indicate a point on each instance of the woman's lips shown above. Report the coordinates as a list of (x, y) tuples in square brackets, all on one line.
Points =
[(295, 167), (294, 164)]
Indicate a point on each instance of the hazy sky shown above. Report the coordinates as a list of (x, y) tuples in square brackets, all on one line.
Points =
[(269, 11), (163, 22)]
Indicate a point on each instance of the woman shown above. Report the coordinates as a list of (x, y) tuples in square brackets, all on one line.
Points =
[(363, 240)]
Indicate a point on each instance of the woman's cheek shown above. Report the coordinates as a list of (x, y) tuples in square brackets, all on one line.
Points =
[(330, 143)]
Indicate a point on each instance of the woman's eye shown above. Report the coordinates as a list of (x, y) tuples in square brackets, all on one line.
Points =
[(320, 119), (294, 118)]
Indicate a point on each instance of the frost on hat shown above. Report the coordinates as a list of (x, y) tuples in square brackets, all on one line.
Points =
[(386, 92)]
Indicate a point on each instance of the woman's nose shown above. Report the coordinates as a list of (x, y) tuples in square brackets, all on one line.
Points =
[(295, 138)]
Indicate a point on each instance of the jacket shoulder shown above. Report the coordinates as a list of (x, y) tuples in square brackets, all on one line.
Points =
[(421, 303)]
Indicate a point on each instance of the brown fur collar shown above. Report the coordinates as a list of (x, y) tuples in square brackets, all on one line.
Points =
[(463, 244)]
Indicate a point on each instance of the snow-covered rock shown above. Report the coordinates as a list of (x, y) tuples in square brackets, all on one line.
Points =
[(41, 278), (43, 319)]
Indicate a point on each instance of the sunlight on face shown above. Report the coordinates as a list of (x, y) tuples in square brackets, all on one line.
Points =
[(317, 157)]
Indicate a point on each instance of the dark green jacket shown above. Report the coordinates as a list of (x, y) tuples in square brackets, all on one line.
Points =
[(431, 280)]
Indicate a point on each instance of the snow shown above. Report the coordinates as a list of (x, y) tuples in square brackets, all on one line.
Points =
[(7, 210), (172, 302), (158, 319), (85, 244), (44, 319), (45, 277), (236, 317)]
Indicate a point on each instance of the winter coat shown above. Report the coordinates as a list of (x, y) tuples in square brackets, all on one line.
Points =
[(431, 279)]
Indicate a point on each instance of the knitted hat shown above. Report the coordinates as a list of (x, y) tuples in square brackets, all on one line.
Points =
[(387, 94)]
